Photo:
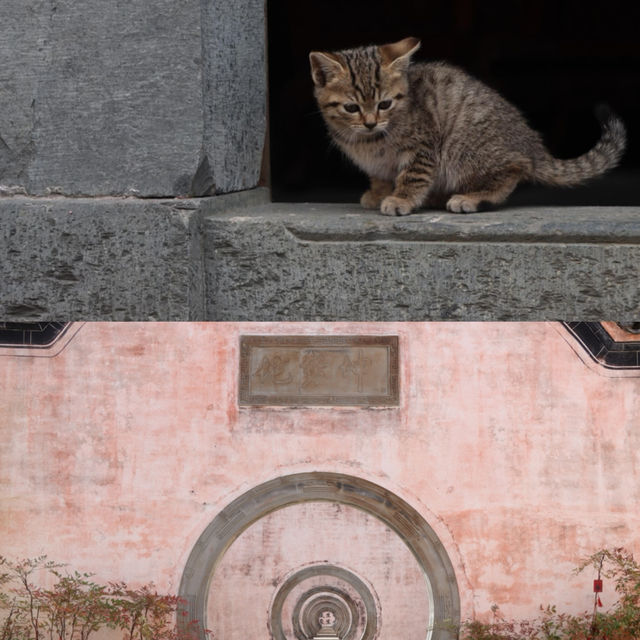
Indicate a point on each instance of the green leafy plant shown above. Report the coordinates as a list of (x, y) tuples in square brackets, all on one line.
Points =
[(620, 622), (76, 607), (548, 626), (148, 615), (27, 617)]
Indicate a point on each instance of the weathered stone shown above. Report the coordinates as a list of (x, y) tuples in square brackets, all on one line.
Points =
[(119, 101), (238, 257), (107, 258), (22, 62), (233, 39), (111, 98), (337, 262)]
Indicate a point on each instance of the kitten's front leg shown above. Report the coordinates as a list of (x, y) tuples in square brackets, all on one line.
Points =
[(380, 189), (412, 185)]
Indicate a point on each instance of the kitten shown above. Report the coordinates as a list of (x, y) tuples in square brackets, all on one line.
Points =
[(428, 134)]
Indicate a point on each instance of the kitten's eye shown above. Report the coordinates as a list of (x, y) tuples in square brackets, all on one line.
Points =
[(351, 107), (385, 104)]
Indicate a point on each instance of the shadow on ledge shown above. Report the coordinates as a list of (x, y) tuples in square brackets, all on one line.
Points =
[(620, 189)]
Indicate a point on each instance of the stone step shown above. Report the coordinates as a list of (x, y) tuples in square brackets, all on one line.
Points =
[(242, 257)]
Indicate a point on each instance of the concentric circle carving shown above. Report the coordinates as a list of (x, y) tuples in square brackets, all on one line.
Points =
[(311, 613), (326, 601), (390, 509)]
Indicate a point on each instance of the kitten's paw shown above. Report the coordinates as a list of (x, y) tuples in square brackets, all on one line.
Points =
[(461, 204), (393, 206), (370, 200)]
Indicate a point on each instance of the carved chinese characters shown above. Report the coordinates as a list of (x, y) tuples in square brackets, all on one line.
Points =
[(319, 370)]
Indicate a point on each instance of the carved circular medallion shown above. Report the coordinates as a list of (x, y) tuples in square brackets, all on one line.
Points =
[(327, 611)]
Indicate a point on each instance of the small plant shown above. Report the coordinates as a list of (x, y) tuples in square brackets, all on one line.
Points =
[(620, 622), (76, 607), (546, 627), (148, 615), (26, 618)]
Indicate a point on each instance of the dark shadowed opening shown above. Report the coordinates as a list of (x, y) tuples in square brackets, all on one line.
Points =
[(554, 59)]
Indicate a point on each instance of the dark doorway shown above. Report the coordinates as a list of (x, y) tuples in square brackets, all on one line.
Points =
[(554, 59)]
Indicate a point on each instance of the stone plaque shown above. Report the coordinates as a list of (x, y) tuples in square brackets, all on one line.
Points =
[(319, 370)]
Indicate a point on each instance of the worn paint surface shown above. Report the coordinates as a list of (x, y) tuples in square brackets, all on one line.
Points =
[(310, 533), (116, 453)]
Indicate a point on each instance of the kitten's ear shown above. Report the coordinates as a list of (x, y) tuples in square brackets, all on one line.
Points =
[(324, 67), (398, 54)]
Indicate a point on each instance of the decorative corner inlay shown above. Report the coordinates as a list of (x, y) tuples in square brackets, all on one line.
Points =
[(611, 344), (319, 370), (36, 339), (31, 335)]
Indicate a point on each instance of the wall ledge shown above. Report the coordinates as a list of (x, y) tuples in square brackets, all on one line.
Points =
[(240, 257)]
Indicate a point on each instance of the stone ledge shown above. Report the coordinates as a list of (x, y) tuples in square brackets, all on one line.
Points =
[(312, 262), (320, 222), (239, 257)]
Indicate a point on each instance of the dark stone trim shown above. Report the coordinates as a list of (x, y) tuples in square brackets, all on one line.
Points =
[(31, 335), (603, 348)]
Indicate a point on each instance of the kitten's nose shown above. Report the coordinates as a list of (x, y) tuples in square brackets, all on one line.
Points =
[(370, 125)]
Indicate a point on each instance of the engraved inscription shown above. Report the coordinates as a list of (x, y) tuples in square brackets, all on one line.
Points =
[(319, 370), (274, 370), (315, 366), (357, 367)]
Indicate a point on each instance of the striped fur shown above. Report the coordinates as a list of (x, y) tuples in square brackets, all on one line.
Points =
[(428, 134)]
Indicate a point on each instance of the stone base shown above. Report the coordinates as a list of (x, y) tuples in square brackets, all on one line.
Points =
[(240, 257), (338, 262), (100, 259)]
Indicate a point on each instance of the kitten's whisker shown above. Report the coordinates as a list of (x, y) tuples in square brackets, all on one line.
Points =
[(312, 113)]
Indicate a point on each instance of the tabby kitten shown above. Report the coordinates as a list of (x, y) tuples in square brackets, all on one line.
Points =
[(428, 134)]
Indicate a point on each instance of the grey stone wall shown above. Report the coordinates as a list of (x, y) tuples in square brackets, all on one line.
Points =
[(131, 97), (233, 34)]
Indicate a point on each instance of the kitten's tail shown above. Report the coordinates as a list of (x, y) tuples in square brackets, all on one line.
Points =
[(603, 157)]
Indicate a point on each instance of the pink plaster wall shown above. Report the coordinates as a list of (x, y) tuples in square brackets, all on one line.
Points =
[(116, 453), (314, 533)]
